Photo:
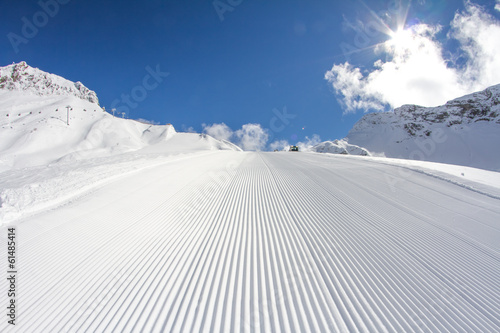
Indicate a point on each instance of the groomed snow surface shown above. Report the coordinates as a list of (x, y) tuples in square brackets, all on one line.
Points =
[(227, 241)]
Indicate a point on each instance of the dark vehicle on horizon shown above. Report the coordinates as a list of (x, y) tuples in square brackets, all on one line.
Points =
[(293, 148)]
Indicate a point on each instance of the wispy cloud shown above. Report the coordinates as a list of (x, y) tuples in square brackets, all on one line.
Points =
[(309, 142), (280, 145), (415, 69), (249, 137), (219, 131), (188, 129), (252, 137), (146, 121)]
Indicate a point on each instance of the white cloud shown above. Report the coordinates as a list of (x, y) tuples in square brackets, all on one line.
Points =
[(252, 137), (189, 129), (497, 6), (146, 121), (415, 70), (249, 137), (479, 35), (280, 145), (219, 131), (309, 143)]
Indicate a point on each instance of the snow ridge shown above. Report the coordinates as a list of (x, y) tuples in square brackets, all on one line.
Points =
[(22, 77)]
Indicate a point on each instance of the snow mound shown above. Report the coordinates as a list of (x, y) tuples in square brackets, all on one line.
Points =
[(339, 147), (464, 131), (35, 130)]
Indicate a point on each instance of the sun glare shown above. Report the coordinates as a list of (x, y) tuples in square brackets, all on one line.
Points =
[(401, 39)]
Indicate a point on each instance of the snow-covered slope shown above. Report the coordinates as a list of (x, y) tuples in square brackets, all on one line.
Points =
[(34, 121), (133, 227), (339, 147), (260, 242), (464, 131)]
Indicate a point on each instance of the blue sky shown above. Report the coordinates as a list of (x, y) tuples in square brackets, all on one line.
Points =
[(246, 61)]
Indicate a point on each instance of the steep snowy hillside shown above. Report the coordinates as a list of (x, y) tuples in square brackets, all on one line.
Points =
[(46, 119), (339, 147), (464, 131), (21, 77)]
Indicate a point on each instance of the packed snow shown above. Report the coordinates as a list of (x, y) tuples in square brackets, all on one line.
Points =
[(246, 241)]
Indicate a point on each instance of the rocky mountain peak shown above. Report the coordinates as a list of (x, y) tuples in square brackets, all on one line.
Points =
[(22, 77), (476, 107), (464, 131)]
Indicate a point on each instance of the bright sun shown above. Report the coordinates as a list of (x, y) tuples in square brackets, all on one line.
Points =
[(401, 39)]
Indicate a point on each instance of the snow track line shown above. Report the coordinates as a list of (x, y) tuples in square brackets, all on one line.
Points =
[(424, 217), (451, 181), (135, 222), (425, 171), (283, 243), (497, 280), (288, 181)]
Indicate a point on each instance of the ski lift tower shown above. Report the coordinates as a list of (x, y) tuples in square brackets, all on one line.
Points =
[(69, 108)]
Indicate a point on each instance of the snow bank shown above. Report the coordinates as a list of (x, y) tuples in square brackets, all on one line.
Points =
[(26, 191)]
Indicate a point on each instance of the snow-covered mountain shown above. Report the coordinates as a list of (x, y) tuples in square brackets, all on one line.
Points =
[(339, 147), (464, 131), (38, 128), (21, 77)]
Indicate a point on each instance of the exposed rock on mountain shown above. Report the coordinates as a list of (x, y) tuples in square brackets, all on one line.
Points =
[(339, 147), (21, 77), (464, 131)]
